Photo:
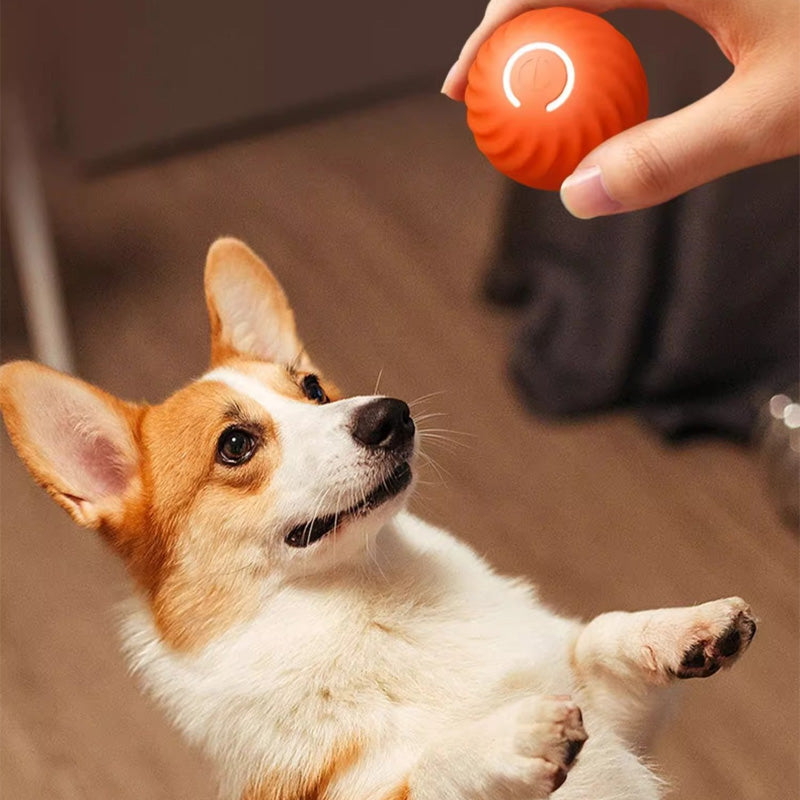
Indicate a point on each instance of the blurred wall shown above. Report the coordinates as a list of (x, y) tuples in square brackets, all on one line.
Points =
[(133, 75)]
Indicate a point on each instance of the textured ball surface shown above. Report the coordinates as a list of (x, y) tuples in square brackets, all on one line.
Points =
[(549, 86)]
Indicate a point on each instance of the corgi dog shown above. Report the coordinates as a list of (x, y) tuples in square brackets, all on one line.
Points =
[(314, 638)]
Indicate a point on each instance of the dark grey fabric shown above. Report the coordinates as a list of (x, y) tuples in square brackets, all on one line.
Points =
[(689, 311)]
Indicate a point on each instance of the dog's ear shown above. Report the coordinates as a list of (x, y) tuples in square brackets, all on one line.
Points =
[(247, 307), (78, 442)]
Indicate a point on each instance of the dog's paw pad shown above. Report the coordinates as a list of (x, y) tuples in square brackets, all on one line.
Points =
[(573, 749), (713, 651), (533, 743), (549, 737)]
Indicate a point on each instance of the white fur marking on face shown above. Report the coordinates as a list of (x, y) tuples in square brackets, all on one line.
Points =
[(322, 469), (272, 401)]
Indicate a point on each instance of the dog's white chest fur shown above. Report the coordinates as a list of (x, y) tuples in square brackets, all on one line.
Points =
[(420, 639)]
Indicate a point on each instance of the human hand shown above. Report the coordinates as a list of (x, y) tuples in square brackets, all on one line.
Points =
[(752, 118)]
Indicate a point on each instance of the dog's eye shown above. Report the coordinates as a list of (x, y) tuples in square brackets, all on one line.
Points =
[(312, 390), (235, 446)]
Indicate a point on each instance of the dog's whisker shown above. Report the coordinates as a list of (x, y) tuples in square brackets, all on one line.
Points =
[(426, 458), (370, 553), (451, 431), (306, 534), (447, 436), (374, 557), (378, 381), (444, 443), (317, 509), (430, 415), (425, 397), (435, 466), (336, 516), (422, 503)]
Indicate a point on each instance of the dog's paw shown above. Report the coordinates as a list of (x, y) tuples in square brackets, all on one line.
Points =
[(548, 737), (719, 633), (523, 750)]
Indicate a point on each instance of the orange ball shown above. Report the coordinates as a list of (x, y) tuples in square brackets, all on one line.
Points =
[(547, 87)]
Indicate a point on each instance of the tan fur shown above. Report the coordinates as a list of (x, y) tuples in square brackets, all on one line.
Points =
[(280, 380), (196, 572), (312, 787), (402, 792), (205, 581), (193, 595)]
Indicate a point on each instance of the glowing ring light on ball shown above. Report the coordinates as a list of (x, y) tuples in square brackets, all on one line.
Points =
[(529, 48), (549, 86)]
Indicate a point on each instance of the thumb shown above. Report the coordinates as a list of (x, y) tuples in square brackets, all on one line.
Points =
[(663, 157)]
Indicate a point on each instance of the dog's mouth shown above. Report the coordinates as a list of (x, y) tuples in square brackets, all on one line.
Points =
[(310, 532)]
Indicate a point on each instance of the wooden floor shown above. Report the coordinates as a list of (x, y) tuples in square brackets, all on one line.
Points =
[(378, 222)]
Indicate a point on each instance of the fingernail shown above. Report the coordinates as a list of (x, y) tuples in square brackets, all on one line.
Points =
[(450, 72), (584, 194)]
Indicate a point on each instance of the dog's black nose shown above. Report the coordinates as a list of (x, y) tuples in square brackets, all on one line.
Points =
[(384, 424)]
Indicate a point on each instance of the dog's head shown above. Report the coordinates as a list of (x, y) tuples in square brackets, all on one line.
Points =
[(257, 473)]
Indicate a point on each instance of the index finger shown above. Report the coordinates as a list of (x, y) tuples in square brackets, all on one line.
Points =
[(500, 11)]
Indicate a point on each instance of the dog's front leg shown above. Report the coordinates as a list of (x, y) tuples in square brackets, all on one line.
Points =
[(521, 752), (619, 656)]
